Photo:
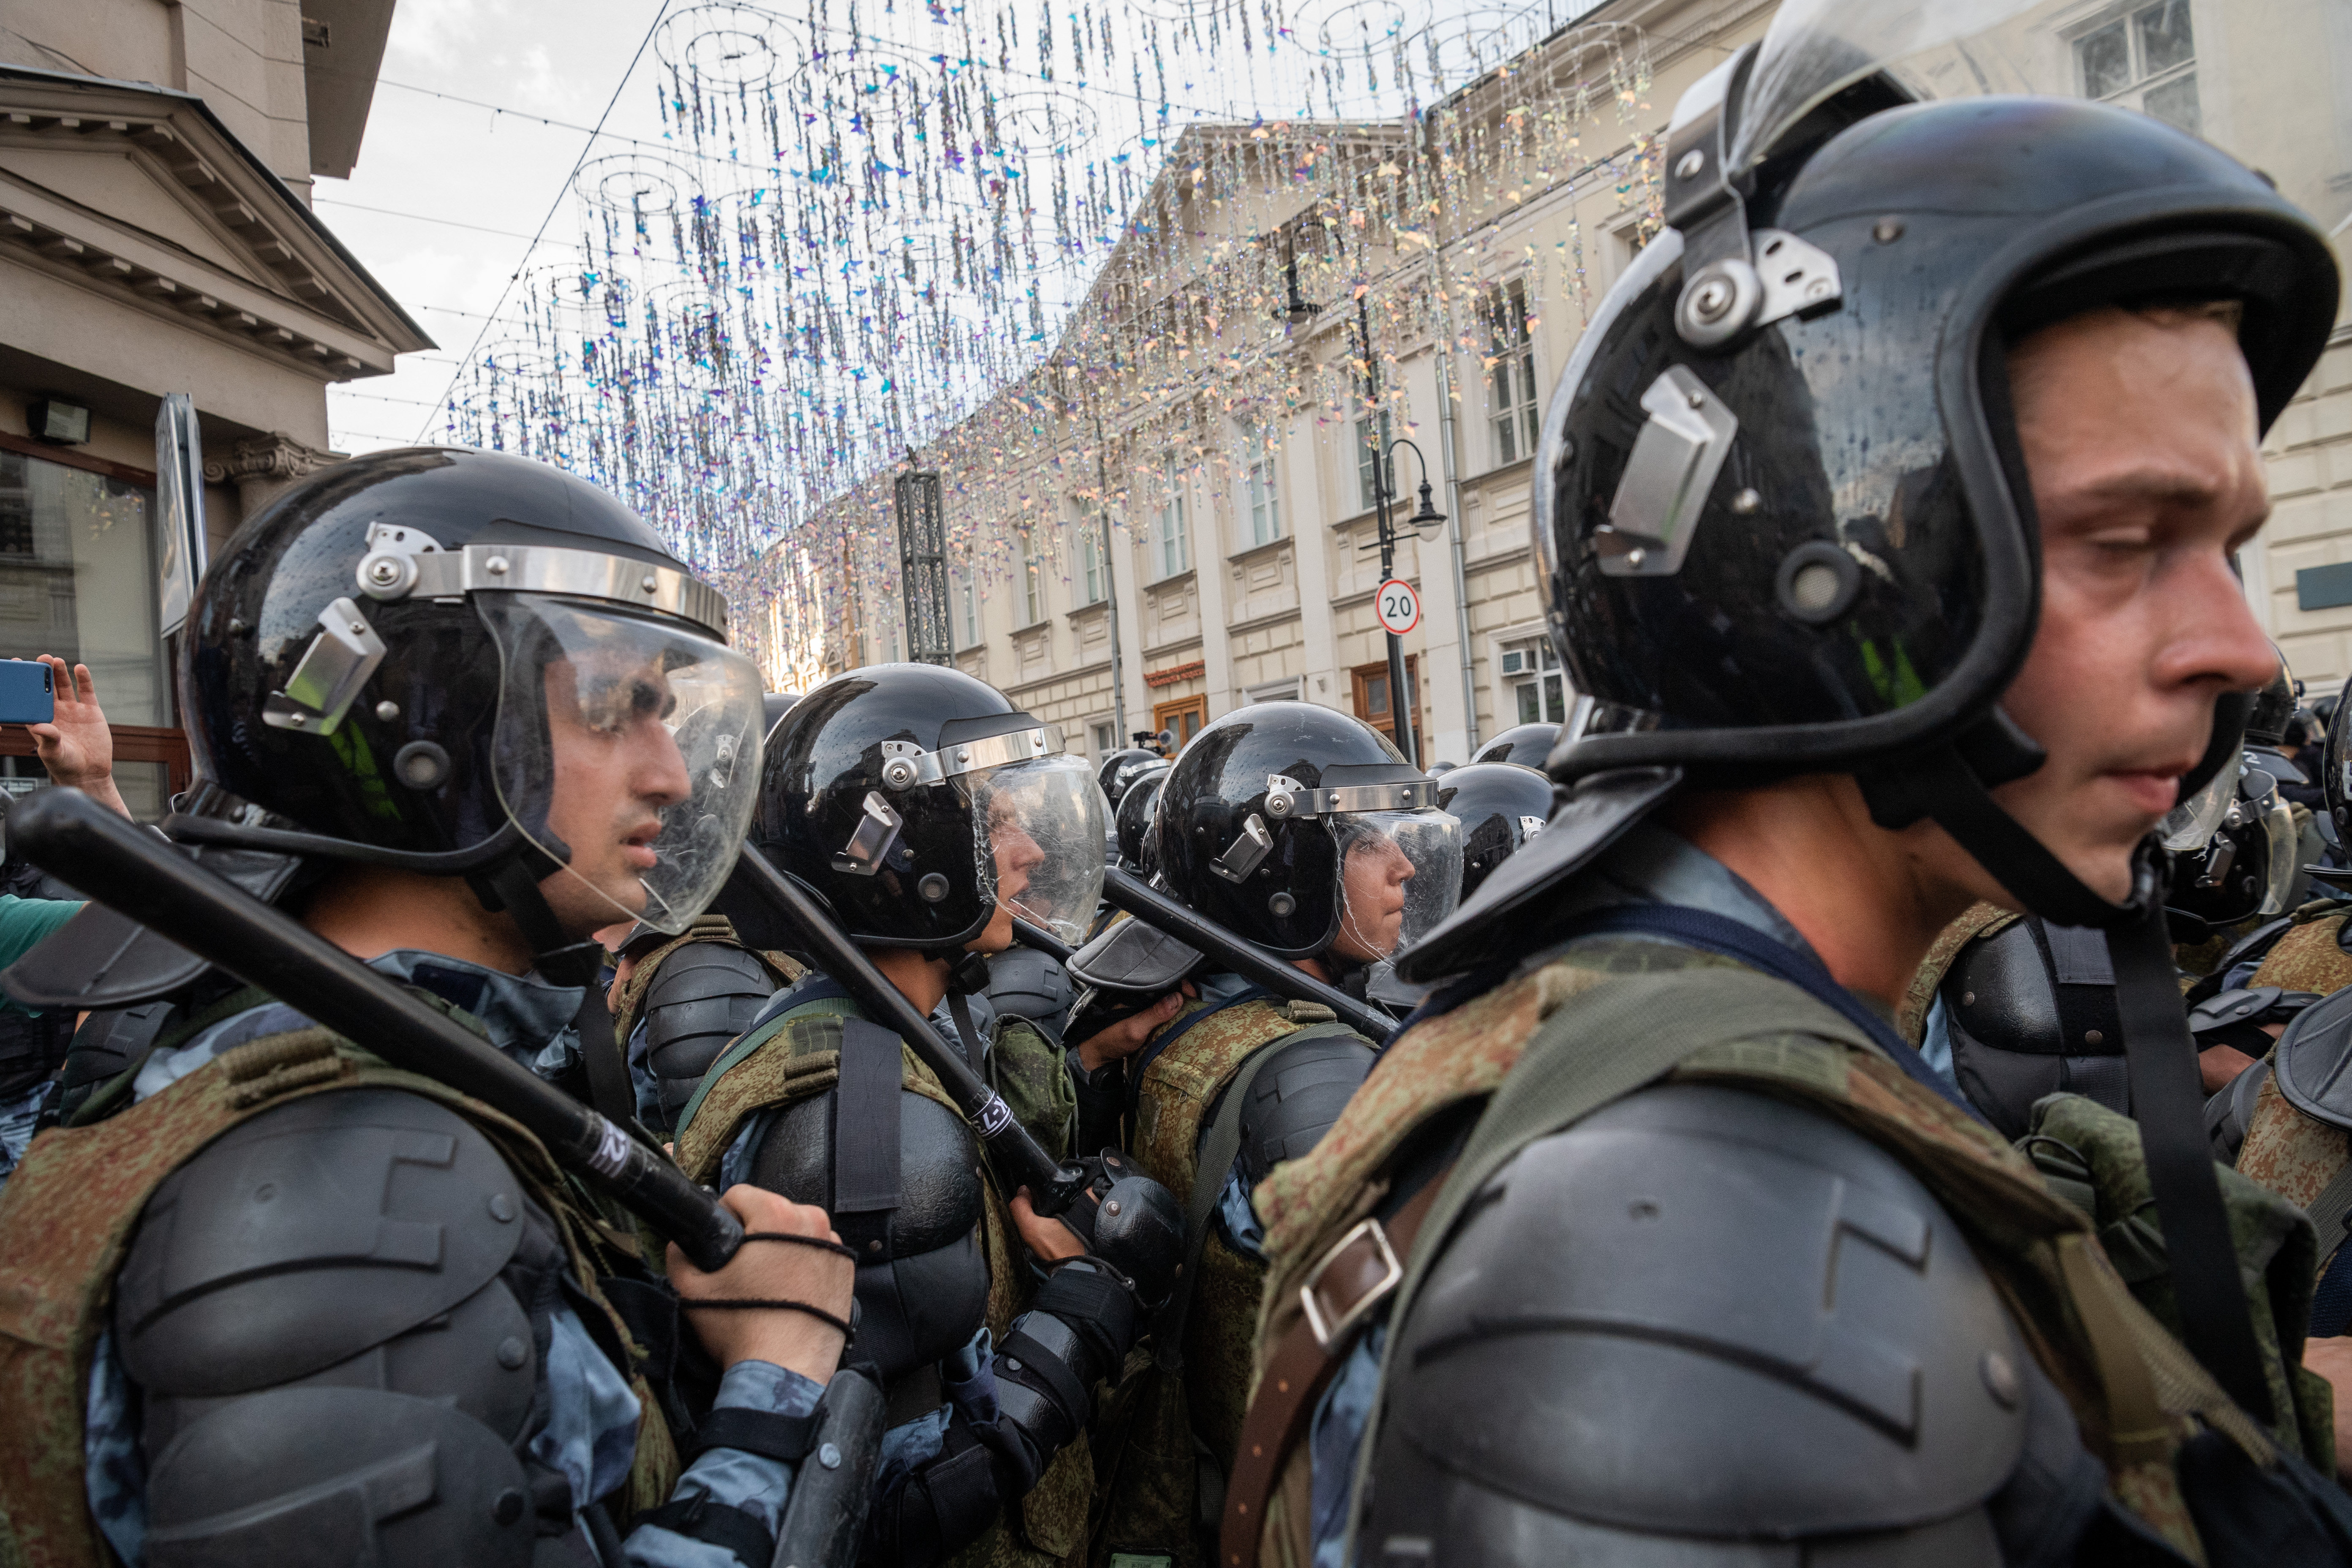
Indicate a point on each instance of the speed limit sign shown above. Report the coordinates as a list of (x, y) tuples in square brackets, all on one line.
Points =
[(1398, 607)]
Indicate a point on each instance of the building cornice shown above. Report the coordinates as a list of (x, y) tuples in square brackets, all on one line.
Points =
[(308, 304)]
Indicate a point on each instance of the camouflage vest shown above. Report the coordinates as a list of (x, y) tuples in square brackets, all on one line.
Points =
[(2306, 957), (66, 1216), (710, 927), (1170, 1416), (2131, 1386), (796, 1056)]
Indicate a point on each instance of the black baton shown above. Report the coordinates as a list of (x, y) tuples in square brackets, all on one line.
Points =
[(76, 840), (1052, 1186), (1240, 955)]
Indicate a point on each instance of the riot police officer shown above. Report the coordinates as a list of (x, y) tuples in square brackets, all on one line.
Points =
[(925, 812), (1834, 545), (1501, 807), (1304, 830), (322, 1311)]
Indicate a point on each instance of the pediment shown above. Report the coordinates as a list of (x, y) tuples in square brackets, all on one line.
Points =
[(113, 182), (141, 193)]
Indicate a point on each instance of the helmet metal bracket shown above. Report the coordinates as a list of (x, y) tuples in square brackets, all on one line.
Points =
[(1248, 850), (869, 848), (1675, 458), (333, 668)]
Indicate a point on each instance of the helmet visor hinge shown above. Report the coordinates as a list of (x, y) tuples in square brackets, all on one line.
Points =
[(1246, 853), (870, 846), (1675, 458), (333, 668)]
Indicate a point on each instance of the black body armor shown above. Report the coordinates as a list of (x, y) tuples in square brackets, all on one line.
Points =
[(1691, 1267), (338, 1316), (2031, 1011), (702, 997)]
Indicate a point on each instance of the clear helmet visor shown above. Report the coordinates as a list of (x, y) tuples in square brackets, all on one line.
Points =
[(2192, 824), (1815, 49), (1038, 827), (626, 749), (1399, 874)]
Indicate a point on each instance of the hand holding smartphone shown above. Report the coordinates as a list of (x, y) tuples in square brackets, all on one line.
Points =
[(27, 692)]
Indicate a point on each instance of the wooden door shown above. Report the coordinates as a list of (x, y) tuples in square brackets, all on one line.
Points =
[(1185, 716), (1371, 689)]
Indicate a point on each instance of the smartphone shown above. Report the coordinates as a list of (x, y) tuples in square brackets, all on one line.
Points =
[(25, 695)]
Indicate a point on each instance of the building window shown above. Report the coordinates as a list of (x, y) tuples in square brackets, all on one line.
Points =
[(1106, 739), (1170, 532), (1091, 575), (1180, 718), (1032, 583), (1535, 689), (1372, 692), (1265, 503), (2145, 60), (967, 611), (1365, 447), (1512, 408), (77, 579)]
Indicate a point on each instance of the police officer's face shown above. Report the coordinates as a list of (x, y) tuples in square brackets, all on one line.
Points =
[(2139, 435), (1017, 852), (617, 766), (1372, 878)]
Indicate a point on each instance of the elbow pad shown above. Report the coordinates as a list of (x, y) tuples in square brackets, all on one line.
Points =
[(1076, 1334)]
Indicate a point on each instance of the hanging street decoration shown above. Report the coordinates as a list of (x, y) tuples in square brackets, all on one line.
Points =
[(958, 229)]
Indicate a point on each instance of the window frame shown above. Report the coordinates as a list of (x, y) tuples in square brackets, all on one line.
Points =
[(1032, 582), (1364, 460), (1261, 495), (1514, 423), (1172, 530), (2140, 80)]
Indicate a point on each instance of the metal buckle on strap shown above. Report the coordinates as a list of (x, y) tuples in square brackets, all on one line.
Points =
[(1366, 1244)]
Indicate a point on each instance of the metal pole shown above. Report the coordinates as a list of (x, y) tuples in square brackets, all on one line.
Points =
[(1110, 591), (1454, 541), (1399, 696)]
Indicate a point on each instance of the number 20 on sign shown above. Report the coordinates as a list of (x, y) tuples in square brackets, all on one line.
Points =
[(1397, 605)]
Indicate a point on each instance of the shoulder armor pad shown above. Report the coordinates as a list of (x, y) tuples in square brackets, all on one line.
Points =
[(299, 1477), (2255, 945), (1027, 984), (2031, 1011), (1133, 955), (1767, 1328), (314, 1231), (702, 996), (2310, 1059), (1297, 1095), (102, 959)]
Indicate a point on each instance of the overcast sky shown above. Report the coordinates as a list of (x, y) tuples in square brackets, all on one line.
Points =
[(436, 159)]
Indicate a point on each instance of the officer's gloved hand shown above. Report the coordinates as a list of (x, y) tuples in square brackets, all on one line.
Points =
[(1123, 1218)]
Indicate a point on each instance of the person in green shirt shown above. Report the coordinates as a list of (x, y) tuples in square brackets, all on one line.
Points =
[(77, 750)]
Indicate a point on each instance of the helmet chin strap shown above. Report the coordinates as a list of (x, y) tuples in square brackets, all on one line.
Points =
[(512, 886), (1952, 785)]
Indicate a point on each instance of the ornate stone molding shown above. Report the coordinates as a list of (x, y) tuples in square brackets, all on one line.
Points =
[(275, 458)]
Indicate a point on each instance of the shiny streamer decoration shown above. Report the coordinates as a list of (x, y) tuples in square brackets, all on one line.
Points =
[(995, 237)]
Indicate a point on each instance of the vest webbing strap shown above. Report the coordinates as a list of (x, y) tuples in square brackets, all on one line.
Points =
[(825, 999)]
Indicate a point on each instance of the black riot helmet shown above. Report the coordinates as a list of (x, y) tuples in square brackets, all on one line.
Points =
[(1132, 821), (401, 655), (1525, 744), (2335, 782), (2274, 704), (1307, 831), (1500, 807), (2234, 845), (1121, 768), (914, 799), (1780, 515)]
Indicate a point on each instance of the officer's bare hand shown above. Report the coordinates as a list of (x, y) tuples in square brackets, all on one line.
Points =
[(2219, 1065), (2332, 1359), (771, 1271), (1050, 1239), (1128, 1035)]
